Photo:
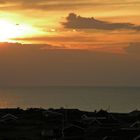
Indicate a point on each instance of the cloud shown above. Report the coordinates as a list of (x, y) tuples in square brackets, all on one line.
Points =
[(60, 4), (133, 48), (30, 65), (27, 47), (43, 4), (78, 22)]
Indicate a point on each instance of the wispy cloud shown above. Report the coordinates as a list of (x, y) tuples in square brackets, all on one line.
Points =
[(27, 47), (61, 4)]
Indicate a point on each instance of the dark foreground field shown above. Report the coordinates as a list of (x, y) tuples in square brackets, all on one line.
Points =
[(69, 124)]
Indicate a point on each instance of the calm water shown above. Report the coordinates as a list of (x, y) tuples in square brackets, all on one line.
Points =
[(84, 98)]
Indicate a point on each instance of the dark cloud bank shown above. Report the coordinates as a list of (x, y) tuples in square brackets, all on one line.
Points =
[(78, 22), (30, 65)]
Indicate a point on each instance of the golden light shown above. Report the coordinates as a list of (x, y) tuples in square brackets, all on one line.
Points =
[(9, 30), (52, 30)]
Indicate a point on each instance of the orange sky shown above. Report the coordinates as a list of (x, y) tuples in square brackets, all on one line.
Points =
[(40, 21), (63, 42)]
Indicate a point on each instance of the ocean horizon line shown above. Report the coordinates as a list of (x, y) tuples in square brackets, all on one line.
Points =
[(69, 86)]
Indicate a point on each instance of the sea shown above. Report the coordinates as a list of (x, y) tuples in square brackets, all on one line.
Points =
[(112, 99)]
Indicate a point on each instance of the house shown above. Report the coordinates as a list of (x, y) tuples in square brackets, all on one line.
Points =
[(135, 124), (100, 133), (109, 122), (51, 133), (102, 122), (8, 118), (49, 113), (102, 113), (73, 131), (135, 113), (53, 116), (88, 121), (95, 123), (84, 116), (127, 133), (137, 138), (79, 123), (47, 133), (92, 121), (107, 138)]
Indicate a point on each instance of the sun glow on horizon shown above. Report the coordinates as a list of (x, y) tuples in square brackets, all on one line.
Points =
[(9, 30)]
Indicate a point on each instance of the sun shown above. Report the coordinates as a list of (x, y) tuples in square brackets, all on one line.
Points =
[(10, 30)]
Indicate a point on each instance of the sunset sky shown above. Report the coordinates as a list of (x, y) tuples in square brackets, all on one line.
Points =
[(63, 42)]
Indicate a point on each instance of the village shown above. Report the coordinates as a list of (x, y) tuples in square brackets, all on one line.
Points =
[(68, 124)]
